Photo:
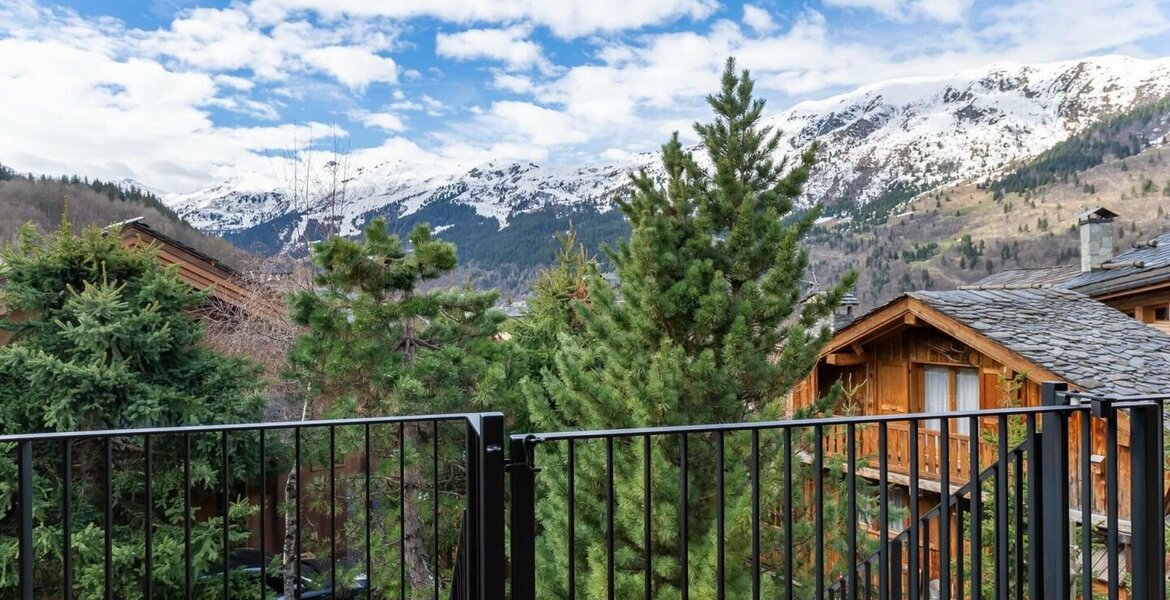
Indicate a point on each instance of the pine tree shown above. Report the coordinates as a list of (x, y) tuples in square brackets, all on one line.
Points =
[(712, 322), (379, 344), (103, 338)]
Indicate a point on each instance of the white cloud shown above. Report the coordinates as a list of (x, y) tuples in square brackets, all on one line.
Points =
[(354, 67), (758, 19), (565, 18), (509, 46), (383, 120), (946, 11), (518, 84)]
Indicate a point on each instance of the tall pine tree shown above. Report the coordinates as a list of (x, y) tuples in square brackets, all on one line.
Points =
[(711, 323), (379, 343)]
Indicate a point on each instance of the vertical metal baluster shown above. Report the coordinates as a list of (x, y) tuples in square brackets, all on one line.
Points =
[(913, 546), (402, 511), (647, 573), (297, 506), (819, 503), (924, 577), (572, 524), (961, 548), (896, 569), (1112, 506), (609, 506), (226, 508), (263, 516), (756, 524), (1086, 506), (976, 507), (944, 510), (333, 506), (1019, 520), (187, 515), (109, 518), (851, 503), (27, 557), (867, 578), (684, 538), (1001, 520), (367, 471), (788, 509), (720, 516), (884, 512), (435, 503), (1035, 493), (67, 516), (148, 521)]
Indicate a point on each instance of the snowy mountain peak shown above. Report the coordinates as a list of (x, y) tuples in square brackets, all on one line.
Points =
[(912, 134)]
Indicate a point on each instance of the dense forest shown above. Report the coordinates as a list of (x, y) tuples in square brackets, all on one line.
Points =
[(43, 201), (1119, 137)]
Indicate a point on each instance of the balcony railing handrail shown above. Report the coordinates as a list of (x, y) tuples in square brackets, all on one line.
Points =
[(236, 427), (536, 438)]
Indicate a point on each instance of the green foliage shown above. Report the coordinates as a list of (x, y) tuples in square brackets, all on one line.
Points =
[(377, 344), (709, 324), (102, 338)]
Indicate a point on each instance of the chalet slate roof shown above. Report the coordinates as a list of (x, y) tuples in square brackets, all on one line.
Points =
[(1155, 268), (1035, 277), (1089, 344)]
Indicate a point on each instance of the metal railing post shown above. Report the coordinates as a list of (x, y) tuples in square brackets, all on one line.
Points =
[(488, 521), (1054, 514), (1148, 567), (522, 474), (26, 521)]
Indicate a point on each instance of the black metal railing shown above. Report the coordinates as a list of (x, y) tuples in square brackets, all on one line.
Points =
[(383, 507), (822, 521), (1066, 499)]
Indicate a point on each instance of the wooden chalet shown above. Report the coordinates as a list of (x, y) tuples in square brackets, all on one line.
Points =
[(230, 292), (979, 349)]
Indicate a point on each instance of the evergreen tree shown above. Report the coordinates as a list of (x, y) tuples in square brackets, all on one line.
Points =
[(712, 322), (103, 338), (379, 344)]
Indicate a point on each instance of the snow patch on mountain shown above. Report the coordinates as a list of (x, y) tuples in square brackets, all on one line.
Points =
[(917, 133)]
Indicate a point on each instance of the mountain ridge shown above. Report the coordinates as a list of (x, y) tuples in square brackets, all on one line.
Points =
[(881, 145)]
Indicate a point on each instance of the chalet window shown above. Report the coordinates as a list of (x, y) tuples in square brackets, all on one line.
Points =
[(949, 389), (1162, 314), (937, 387)]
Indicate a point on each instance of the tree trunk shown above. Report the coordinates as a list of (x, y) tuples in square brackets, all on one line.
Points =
[(417, 559), (289, 557)]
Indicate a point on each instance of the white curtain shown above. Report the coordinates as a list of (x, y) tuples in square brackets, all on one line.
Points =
[(937, 389), (967, 396)]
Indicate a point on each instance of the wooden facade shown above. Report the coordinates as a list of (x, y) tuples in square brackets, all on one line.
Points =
[(882, 363)]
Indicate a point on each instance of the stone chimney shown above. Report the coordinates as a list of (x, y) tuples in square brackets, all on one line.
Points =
[(1096, 226)]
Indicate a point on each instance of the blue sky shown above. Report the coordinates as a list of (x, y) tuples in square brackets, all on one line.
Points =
[(180, 94)]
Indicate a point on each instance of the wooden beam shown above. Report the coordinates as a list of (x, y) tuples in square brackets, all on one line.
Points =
[(857, 349), (981, 343), (845, 359), (910, 319)]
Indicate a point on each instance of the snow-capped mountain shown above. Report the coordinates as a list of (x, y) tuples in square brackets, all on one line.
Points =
[(908, 134)]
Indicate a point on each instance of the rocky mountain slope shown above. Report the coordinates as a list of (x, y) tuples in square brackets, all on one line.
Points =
[(881, 146)]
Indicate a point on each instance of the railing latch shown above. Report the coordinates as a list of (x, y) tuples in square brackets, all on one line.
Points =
[(526, 463)]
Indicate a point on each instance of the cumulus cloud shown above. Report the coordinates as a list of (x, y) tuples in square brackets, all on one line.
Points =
[(354, 67), (149, 104), (509, 46), (946, 11), (758, 19), (564, 19)]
